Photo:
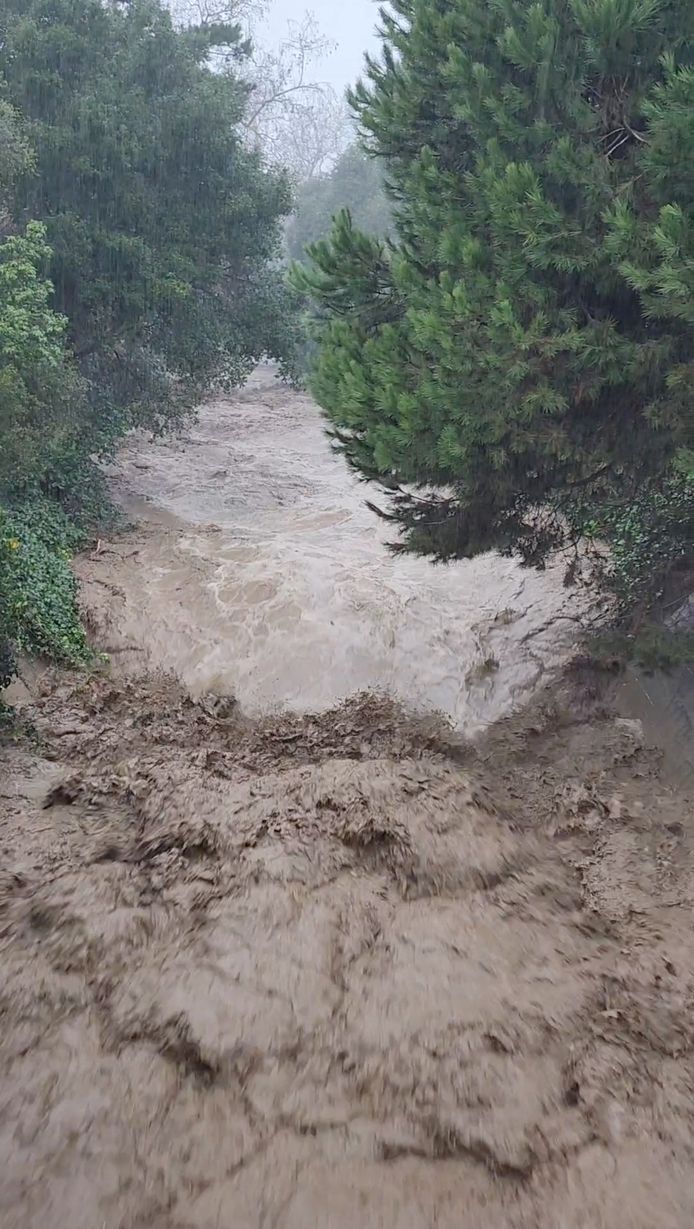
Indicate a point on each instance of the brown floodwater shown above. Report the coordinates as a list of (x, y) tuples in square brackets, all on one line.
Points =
[(258, 571)]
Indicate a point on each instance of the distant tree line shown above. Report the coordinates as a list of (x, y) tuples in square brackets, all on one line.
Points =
[(355, 183)]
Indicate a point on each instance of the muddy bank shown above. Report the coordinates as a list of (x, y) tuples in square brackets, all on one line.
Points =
[(342, 970)]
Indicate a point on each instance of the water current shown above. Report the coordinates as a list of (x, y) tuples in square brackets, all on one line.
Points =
[(257, 570)]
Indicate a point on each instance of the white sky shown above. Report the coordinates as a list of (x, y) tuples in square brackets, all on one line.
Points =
[(349, 23)]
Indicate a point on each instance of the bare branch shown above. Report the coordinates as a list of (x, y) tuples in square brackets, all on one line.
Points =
[(218, 12), (297, 121)]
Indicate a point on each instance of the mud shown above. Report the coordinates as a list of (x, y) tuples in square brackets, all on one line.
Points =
[(342, 970), (339, 967)]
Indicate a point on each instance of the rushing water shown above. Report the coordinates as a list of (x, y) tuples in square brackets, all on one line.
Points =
[(258, 570)]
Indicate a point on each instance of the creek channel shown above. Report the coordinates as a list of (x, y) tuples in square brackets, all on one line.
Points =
[(256, 570)]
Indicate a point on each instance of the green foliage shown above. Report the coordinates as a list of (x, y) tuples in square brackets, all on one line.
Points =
[(524, 341), (43, 413), (354, 183), (38, 608), (164, 226), (16, 157), (649, 539), (46, 437)]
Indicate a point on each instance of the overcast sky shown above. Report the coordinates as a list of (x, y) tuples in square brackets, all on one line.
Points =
[(349, 23)]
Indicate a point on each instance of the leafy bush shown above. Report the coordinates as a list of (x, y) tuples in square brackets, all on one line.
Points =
[(43, 411), (47, 436), (38, 594), (648, 540), (642, 555)]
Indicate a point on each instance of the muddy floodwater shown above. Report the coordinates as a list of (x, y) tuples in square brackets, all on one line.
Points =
[(260, 572), (281, 947)]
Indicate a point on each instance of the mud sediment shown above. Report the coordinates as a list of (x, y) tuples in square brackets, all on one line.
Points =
[(342, 970)]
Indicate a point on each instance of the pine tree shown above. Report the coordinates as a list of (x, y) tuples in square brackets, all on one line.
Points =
[(524, 344)]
